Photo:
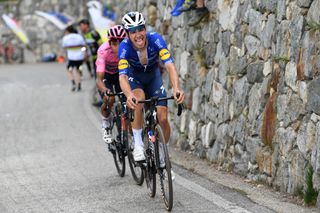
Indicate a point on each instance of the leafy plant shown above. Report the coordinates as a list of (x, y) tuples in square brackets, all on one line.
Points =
[(310, 194)]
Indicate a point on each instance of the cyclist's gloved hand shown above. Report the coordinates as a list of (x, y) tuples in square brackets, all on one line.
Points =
[(105, 97), (179, 98), (132, 101)]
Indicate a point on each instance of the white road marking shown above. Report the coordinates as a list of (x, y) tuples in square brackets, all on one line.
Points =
[(210, 196)]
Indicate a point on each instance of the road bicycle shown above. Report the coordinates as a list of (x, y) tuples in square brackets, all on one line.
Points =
[(156, 152), (122, 144)]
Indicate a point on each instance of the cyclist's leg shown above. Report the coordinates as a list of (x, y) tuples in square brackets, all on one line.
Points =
[(70, 75), (136, 125), (78, 66), (107, 117), (155, 88)]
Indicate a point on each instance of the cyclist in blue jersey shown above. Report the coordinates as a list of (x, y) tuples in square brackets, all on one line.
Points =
[(140, 76)]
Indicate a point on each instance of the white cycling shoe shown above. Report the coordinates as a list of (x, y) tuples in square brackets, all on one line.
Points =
[(138, 153), (106, 135), (106, 131)]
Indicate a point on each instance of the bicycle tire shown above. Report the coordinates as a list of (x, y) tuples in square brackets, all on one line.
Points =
[(136, 170), (119, 159), (150, 176), (164, 173)]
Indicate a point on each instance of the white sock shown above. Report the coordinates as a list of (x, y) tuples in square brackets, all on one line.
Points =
[(137, 137), (106, 121)]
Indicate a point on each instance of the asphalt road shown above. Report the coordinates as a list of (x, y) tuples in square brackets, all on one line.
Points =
[(53, 159)]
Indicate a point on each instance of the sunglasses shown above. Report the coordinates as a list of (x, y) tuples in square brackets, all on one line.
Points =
[(137, 28), (115, 41)]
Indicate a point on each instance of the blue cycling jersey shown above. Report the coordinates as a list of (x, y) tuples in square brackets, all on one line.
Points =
[(129, 59)]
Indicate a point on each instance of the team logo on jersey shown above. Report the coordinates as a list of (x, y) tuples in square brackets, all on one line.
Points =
[(164, 54), (123, 64)]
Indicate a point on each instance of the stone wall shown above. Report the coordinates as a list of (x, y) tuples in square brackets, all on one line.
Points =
[(251, 74), (251, 77)]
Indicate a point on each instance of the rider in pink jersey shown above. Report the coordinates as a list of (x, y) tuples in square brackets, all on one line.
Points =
[(108, 75)]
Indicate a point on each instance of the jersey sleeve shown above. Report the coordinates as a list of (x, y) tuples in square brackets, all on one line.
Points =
[(100, 62), (123, 65), (164, 53)]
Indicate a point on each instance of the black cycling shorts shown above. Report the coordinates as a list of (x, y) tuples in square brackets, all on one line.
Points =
[(74, 64)]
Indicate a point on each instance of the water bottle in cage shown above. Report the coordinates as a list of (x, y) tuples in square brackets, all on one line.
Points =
[(152, 139)]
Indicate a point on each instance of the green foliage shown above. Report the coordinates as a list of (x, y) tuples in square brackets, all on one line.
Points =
[(310, 194), (313, 26), (277, 59)]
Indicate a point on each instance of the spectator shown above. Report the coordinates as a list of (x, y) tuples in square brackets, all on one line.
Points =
[(200, 10), (73, 43), (93, 40)]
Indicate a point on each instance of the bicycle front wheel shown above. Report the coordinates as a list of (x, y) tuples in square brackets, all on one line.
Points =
[(135, 169), (119, 158), (164, 170)]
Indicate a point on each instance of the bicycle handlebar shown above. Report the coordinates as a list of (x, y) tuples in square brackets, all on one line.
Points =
[(114, 94), (156, 99)]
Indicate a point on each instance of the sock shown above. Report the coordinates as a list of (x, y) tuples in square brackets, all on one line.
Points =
[(73, 82), (106, 122), (137, 137)]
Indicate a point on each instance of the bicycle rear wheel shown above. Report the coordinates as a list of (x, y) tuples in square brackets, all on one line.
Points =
[(135, 169), (161, 151)]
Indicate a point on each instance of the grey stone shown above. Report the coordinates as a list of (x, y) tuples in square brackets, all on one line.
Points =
[(192, 136), (184, 121), (313, 103), (196, 100), (255, 103), (209, 135), (219, 54), (303, 91), (281, 10), (315, 118), (209, 31), (285, 138), (252, 45), (223, 70), (228, 17), (296, 170), (283, 44), (240, 95), (268, 31), (237, 61), (255, 72), (209, 82), (296, 28), (255, 23), (209, 51), (223, 111), (240, 129), (213, 153), (291, 76), (295, 109), (252, 146), (304, 3), (217, 93), (184, 64), (317, 159), (196, 39), (306, 139), (267, 68), (307, 47), (269, 5), (314, 12), (226, 42)]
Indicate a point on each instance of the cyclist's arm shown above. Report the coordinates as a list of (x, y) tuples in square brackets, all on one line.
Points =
[(101, 86), (126, 89), (174, 78)]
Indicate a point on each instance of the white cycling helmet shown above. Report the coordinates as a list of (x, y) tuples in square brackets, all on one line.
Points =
[(133, 19)]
